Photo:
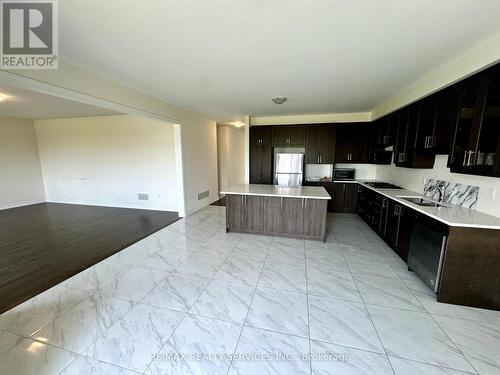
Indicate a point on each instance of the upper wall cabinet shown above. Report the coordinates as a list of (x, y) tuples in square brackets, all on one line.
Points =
[(476, 146), (353, 143), (415, 122), (289, 136), (320, 144)]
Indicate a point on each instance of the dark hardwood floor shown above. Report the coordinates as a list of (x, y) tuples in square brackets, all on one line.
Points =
[(220, 202), (44, 244)]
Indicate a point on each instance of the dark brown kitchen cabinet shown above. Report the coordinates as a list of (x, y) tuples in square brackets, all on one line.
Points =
[(385, 131), (345, 197), (352, 145), (476, 147), (467, 131), (447, 102), (320, 144), (398, 227), (410, 151), (382, 136), (261, 155), (289, 136)]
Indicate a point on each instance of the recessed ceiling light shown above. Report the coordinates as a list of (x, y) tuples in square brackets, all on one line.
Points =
[(3, 97), (279, 99)]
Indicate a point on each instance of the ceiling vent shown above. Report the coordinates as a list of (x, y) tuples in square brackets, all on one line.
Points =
[(279, 99)]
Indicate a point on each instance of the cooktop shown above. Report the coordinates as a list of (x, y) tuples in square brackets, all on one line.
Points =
[(382, 185)]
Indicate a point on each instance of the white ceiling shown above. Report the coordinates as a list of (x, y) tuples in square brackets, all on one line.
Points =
[(30, 105), (227, 58)]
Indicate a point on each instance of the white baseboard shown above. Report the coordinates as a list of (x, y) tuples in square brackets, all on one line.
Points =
[(21, 204), (115, 205)]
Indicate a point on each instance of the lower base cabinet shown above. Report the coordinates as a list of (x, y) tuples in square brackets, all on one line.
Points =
[(345, 197), (469, 269), (289, 217)]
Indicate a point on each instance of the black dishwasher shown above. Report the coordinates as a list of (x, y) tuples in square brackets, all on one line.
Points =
[(427, 249)]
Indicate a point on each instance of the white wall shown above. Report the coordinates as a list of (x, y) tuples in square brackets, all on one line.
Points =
[(413, 179), (20, 174), (107, 160), (230, 155), (199, 138)]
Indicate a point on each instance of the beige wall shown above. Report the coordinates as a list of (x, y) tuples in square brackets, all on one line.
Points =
[(199, 138), (20, 174), (230, 155), (108, 160)]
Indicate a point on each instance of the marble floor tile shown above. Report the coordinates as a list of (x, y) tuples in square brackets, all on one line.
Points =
[(225, 301), (200, 267), (279, 310), (167, 259), (198, 346), (464, 312), (367, 266), (330, 359), (34, 358), (28, 317), (76, 329), (176, 292), (389, 292), (286, 254), (283, 276), (8, 341), (321, 282), (319, 245), (136, 337), (188, 244), (239, 270), (265, 352), (217, 247), (342, 322), (326, 259), (94, 278), (257, 254), (255, 249), (415, 284), (478, 341), (135, 284), (89, 366), (406, 367), (132, 255), (416, 336)]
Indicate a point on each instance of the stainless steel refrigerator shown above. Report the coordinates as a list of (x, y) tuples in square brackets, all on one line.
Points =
[(288, 169)]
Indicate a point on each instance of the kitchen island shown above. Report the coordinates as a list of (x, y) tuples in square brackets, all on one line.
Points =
[(298, 212)]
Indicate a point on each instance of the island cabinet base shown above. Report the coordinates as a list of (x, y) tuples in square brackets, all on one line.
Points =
[(277, 216)]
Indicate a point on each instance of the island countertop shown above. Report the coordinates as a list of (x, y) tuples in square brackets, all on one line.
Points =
[(306, 192)]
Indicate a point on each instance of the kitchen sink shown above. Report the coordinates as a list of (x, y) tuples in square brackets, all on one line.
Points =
[(422, 201)]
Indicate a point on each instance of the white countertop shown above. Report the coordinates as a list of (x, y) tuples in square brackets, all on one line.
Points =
[(453, 216), (307, 192)]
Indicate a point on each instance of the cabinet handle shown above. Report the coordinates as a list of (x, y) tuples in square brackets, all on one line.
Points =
[(472, 158), (465, 157), (281, 202), (320, 158)]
